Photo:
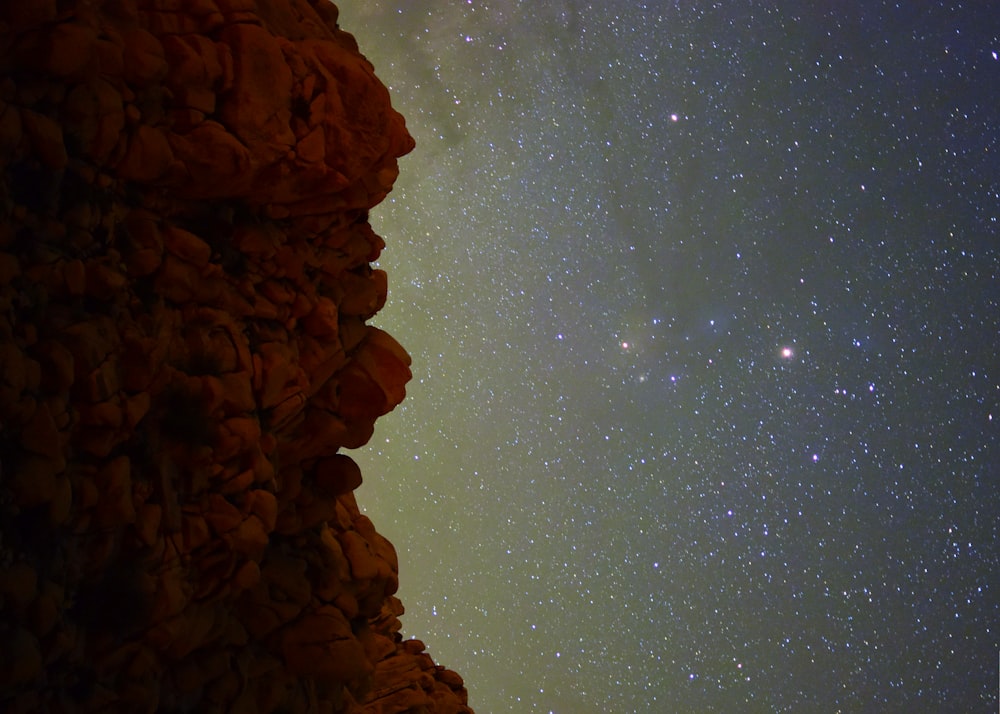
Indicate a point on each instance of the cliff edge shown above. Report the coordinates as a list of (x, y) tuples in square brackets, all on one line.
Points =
[(185, 282)]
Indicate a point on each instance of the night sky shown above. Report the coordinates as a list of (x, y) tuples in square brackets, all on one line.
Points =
[(704, 310)]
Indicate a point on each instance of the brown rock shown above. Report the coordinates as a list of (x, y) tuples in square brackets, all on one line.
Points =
[(135, 408), (144, 60), (18, 585), (94, 113), (237, 390), (236, 436), (102, 383), (195, 531), (222, 516), (413, 646), (277, 292), (337, 474), (30, 15), (257, 108), (238, 483), (249, 538), (67, 49), (182, 283), (20, 657), (111, 54), (46, 138), (364, 295), (171, 595), (217, 163), (103, 415), (57, 365), (320, 359), (376, 377), (323, 322), (114, 481), (312, 147), (264, 505), (75, 277), (195, 60), (10, 268), (277, 374), (183, 356), (143, 262), (143, 229), (321, 644), (104, 281), (364, 564), (450, 678), (10, 130), (40, 435), (313, 511), (148, 519), (148, 156), (35, 479), (61, 504), (247, 576), (186, 246), (91, 342), (46, 608)]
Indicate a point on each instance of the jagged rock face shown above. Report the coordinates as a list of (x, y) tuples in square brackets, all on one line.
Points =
[(184, 289)]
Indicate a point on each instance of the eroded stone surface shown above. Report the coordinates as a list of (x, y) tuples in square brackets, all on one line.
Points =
[(184, 289)]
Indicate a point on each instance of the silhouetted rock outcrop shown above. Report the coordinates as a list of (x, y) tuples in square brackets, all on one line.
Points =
[(184, 289)]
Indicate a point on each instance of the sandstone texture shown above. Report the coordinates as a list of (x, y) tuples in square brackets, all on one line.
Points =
[(185, 284)]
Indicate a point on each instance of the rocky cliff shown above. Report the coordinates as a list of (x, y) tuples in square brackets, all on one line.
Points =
[(185, 281)]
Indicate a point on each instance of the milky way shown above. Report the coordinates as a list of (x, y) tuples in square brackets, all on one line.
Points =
[(703, 307)]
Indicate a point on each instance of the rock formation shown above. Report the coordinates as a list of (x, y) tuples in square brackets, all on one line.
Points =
[(185, 281)]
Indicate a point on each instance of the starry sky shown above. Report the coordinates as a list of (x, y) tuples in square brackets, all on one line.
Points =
[(703, 303)]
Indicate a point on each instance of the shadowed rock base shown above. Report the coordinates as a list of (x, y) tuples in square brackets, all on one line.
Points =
[(185, 281)]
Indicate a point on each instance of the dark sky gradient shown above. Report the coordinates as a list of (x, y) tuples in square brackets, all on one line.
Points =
[(611, 487)]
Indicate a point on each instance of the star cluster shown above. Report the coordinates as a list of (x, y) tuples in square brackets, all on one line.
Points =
[(703, 305)]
